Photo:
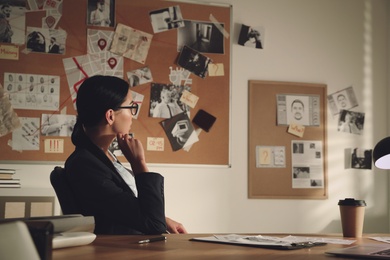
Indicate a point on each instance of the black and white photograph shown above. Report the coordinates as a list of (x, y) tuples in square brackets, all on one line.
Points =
[(301, 172), (316, 182), (298, 148), (57, 124), (351, 122), (46, 40), (251, 37), (298, 110), (166, 19), (139, 76), (344, 99), (101, 13), (302, 109), (12, 21), (194, 61), (165, 100), (201, 36), (358, 158), (180, 131)]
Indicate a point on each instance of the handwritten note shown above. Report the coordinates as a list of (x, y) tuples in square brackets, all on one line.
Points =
[(297, 130), (54, 145), (189, 99), (265, 155), (155, 144), (216, 69), (9, 52)]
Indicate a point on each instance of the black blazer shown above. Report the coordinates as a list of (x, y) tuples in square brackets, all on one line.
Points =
[(101, 192)]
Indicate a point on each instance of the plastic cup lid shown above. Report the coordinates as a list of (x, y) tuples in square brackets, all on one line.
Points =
[(352, 202)]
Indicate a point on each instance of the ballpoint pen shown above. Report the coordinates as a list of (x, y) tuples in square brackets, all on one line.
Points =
[(153, 239)]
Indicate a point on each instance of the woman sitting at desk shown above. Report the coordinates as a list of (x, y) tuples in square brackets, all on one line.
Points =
[(122, 201)]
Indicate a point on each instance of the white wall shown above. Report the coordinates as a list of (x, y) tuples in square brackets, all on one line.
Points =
[(336, 42)]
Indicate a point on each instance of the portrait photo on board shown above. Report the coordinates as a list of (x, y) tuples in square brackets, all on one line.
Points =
[(166, 19), (358, 158), (251, 37), (165, 100), (344, 99), (101, 13), (298, 110), (46, 40), (139, 76), (57, 124), (201, 36), (12, 21), (351, 122), (194, 61)]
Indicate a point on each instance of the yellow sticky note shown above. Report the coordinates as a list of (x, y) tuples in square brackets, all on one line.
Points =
[(9, 52), (216, 69), (155, 144), (264, 155), (297, 130), (189, 99)]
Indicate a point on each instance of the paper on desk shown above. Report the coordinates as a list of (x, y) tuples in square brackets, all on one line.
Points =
[(381, 239), (298, 239), (260, 240), (269, 240)]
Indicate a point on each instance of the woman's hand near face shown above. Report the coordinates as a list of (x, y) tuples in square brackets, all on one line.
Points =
[(133, 150)]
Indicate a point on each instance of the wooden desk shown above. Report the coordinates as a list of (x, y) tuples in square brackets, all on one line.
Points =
[(179, 247)]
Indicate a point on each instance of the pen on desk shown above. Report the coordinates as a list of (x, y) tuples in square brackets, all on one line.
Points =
[(153, 239)]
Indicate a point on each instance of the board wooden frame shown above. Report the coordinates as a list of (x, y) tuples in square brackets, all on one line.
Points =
[(276, 183)]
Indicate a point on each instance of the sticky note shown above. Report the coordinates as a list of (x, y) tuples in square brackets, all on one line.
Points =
[(297, 130), (9, 52), (155, 144), (264, 155), (54, 145), (189, 99), (216, 69)]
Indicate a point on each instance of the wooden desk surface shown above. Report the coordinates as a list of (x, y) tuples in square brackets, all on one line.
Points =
[(179, 247)]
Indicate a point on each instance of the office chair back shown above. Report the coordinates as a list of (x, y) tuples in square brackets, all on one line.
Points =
[(64, 193)]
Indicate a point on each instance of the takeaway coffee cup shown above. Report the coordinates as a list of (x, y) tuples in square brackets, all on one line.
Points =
[(352, 216)]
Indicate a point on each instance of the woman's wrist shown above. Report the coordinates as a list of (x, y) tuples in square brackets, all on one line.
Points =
[(139, 166)]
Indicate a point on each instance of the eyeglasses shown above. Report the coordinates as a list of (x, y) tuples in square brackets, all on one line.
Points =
[(133, 108)]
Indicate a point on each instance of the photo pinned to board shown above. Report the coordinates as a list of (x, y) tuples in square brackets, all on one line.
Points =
[(201, 36), (194, 61), (251, 37), (13, 22), (165, 100), (46, 40), (358, 158), (139, 76), (180, 132), (351, 122), (166, 19), (344, 99)]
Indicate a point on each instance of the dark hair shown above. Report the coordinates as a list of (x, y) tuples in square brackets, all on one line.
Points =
[(96, 95), (297, 101)]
